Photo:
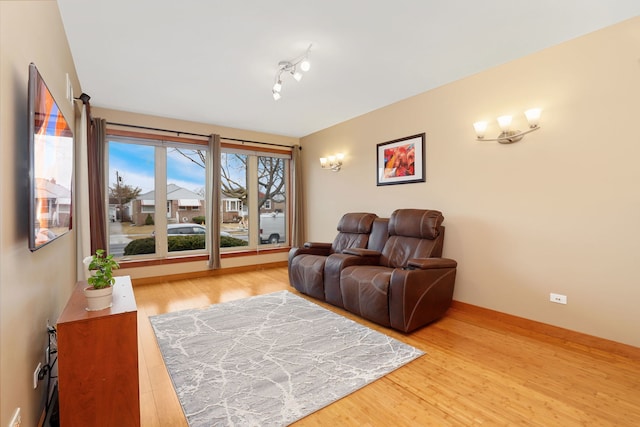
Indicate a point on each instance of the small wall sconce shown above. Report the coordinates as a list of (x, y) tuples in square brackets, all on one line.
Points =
[(507, 136), (333, 163)]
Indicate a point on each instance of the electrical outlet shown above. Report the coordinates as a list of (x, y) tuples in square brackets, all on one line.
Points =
[(35, 376), (16, 421), (557, 298)]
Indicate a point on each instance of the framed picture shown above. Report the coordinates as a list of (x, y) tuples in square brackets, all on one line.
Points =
[(401, 161)]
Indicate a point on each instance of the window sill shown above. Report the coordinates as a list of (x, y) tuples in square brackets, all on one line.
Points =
[(199, 257)]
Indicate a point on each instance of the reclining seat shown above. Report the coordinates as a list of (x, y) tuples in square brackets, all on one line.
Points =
[(306, 264), (369, 256), (412, 285)]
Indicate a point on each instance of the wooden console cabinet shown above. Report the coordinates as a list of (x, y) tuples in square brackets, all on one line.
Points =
[(98, 361)]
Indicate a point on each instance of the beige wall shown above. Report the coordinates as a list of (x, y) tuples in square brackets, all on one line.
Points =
[(115, 116), (34, 287), (557, 212)]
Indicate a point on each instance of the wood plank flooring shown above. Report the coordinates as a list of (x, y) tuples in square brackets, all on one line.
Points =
[(481, 368)]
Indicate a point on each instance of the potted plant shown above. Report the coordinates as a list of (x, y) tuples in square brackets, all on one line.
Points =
[(100, 290)]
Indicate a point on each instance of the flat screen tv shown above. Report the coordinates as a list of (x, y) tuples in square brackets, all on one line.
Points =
[(50, 165)]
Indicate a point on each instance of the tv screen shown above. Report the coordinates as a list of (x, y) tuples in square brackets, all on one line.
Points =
[(50, 165)]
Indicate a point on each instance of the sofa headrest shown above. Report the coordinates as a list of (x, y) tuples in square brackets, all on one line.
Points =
[(358, 223), (420, 223)]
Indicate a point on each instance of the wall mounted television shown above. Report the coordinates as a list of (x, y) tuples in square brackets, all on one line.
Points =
[(51, 159)]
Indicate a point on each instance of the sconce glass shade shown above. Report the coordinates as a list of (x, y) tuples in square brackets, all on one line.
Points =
[(533, 116), (297, 75), (333, 162), (276, 95), (508, 136), (277, 86), (305, 65), (481, 128), (504, 122)]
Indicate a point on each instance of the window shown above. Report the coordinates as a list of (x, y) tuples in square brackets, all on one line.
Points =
[(234, 215), (186, 182), (255, 192), (158, 197), (272, 187), (136, 167), (131, 195)]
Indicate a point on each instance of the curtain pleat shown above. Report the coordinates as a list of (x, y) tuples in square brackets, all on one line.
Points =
[(297, 226), (213, 204), (83, 239), (96, 146)]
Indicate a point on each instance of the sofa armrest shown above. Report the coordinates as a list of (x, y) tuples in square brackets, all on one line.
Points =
[(318, 245), (362, 252), (427, 263), (418, 296), (314, 250)]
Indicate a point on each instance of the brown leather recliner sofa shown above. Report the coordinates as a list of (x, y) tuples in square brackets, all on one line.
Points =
[(397, 279)]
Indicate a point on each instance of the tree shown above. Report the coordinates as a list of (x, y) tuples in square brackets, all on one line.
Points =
[(121, 194), (271, 175), (270, 179)]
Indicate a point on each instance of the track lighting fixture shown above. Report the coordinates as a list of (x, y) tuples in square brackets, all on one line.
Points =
[(295, 67)]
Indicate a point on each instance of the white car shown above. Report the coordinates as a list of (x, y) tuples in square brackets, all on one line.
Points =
[(189, 230)]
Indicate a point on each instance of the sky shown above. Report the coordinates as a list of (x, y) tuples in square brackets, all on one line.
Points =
[(135, 163)]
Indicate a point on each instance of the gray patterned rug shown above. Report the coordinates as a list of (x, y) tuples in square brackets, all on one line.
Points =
[(269, 360)]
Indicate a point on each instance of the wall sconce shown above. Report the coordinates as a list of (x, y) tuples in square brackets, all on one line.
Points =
[(333, 163), (507, 136)]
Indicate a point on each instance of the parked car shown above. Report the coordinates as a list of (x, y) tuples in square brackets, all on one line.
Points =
[(272, 228), (185, 229), (189, 230)]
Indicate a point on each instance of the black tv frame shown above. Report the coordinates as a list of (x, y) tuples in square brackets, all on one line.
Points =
[(51, 165)]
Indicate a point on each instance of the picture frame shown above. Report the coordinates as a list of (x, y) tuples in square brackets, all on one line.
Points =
[(401, 161)]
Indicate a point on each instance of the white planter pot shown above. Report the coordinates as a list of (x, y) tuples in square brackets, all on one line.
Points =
[(98, 299)]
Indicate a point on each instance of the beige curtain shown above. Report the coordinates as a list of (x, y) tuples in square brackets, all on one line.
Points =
[(81, 202), (213, 204), (297, 226), (96, 146)]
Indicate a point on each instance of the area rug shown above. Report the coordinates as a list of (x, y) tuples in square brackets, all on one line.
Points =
[(269, 360)]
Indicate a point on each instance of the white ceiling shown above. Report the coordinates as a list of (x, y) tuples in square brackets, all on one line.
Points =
[(215, 61)]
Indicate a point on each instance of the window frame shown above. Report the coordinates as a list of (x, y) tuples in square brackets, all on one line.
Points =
[(255, 245), (177, 257)]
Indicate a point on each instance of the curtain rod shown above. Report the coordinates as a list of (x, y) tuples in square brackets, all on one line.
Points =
[(178, 133)]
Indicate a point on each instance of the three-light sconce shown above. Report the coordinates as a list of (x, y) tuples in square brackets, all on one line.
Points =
[(507, 136), (332, 163)]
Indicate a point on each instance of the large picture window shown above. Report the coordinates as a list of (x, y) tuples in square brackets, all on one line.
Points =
[(158, 198)]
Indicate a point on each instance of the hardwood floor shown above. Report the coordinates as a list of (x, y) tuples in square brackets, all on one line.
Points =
[(481, 368)]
